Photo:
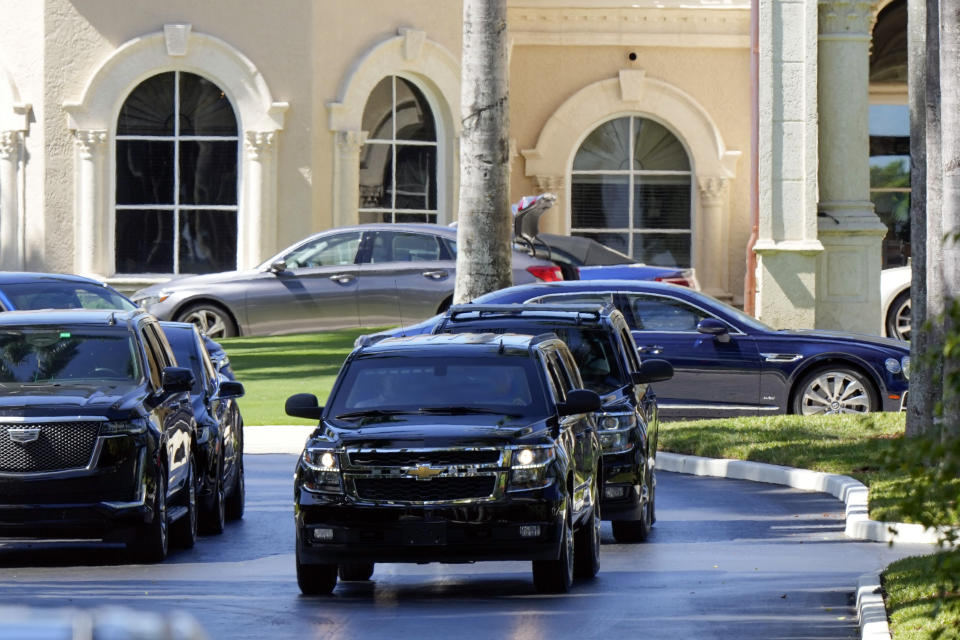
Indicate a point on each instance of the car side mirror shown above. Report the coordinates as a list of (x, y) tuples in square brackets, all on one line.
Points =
[(579, 401), (176, 380), (303, 405), (653, 370), (714, 327), (231, 389), (279, 266)]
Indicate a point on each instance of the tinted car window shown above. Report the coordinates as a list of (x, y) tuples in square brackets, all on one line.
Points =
[(658, 313), (396, 246), (326, 251), (64, 295), (184, 346), (498, 384), (65, 355)]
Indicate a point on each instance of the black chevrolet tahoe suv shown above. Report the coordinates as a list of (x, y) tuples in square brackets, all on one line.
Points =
[(96, 430), (450, 448), (604, 350)]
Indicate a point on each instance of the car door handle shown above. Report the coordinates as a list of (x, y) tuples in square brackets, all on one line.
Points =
[(342, 278), (650, 349), (435, 275)]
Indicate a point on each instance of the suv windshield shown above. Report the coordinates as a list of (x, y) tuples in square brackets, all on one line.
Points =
[(444, 384), (593, 349), (64, 295), (67, 355)]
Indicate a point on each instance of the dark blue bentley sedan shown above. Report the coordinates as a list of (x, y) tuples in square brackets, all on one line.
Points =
[(728, 363)]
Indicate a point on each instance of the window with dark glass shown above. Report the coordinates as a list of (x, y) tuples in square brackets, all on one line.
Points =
[(631, 191), (177, 149), (398, 163)]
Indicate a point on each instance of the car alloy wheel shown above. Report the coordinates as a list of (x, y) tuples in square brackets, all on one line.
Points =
[(214, 516), (153, 542), (556, 576), (587, 544), (898, 316), (834, 390), (185, 529), (237, 497), (212, 320)]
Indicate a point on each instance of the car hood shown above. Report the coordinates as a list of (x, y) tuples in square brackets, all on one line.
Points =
[(433, 431), (204, 281), (846, 337), (29, 401)]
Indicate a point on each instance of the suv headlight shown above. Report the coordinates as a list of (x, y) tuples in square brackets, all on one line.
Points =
[(615, 431), (528, 468), (124, 427), (321, 470)]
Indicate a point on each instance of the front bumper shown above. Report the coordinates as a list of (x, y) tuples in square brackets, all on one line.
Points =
[(623, 475), (330, 533)]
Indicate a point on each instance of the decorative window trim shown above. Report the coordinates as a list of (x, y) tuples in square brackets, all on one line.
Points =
[(713, 165), (436, 72), (93, 117), (14, 124)]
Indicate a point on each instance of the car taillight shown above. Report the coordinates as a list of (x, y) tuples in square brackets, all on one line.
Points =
[(547, 274), (683, 279)]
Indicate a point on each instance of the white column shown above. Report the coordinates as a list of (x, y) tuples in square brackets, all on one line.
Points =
[(346, 176), (713, 237), (554, 221), (11, 246), (89, 231), (257, 226), (848, 272)]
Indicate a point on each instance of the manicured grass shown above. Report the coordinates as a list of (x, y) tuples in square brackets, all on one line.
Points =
[(851, 445), (916, 608), (274, 368)]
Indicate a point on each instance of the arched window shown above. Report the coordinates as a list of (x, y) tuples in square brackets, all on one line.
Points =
[(631, 190), (177, 148), (398, 163)]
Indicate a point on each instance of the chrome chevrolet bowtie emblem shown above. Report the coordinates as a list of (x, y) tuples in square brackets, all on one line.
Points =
[(23, 436), (423, 472)]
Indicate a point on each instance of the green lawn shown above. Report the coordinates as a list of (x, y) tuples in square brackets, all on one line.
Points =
[(273, 368)]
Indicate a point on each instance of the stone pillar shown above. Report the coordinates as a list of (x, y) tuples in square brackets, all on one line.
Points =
[(11, 233), (553, 221), (713, 239), (346, 176), (90, 237), (256, 226), (848, 272), (787, 243)]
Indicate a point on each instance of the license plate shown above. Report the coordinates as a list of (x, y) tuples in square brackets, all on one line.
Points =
[(424, 534)]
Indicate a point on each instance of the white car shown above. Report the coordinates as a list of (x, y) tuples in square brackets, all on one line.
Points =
[(895, 302)]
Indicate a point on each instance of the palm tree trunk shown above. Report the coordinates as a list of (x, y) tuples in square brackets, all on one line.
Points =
[(950, 205), (484, 227)]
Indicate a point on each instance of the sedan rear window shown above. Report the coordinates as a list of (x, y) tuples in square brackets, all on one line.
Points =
[(67, 355), (64, 295)]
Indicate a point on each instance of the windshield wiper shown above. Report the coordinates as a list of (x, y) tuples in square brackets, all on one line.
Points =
[(465, 411), (373, 413)]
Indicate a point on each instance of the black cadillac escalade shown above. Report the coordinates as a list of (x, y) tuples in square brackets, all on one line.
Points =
[(450, 448), (96, 430)]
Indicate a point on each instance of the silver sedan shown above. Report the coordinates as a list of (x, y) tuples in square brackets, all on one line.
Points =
[(369, 275)]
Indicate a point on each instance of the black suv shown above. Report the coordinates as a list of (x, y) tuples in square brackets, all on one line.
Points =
[(450, 449), (96, 430), (601, 343)]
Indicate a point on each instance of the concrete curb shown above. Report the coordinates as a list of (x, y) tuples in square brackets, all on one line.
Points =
[(852, 492), (871, 611)]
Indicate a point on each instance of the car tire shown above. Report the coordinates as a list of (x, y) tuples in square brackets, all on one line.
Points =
[(214, 516), (898, 317), (586, 562), (834, 389), (212, 320), (234, 507), (632, 531), (153, 539), (355, 571), (556, 576), (184, 531), (316, 579)]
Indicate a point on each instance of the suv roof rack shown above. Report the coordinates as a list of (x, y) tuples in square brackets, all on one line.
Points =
[(583, 311)]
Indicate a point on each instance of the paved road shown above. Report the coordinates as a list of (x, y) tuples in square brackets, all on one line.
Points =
[(727, 559)]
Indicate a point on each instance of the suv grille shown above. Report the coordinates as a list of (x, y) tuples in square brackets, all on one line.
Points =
[(439, 458), (59, 446), (437, 489)]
